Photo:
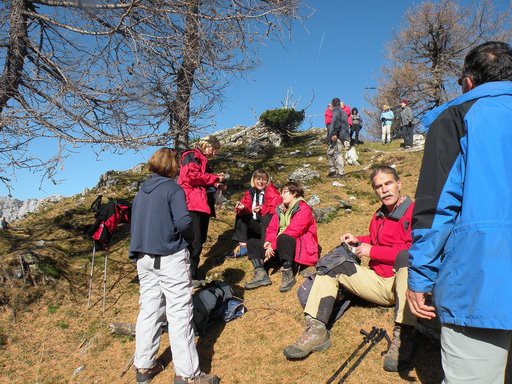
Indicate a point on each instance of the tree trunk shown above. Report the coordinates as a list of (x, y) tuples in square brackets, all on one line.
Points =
[(16, 52), (180, 124)]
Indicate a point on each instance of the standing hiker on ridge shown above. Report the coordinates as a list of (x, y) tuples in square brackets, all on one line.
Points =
[(383, 283), (406, 119), (337, 133)]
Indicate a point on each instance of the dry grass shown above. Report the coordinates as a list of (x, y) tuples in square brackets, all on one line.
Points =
[(57, 334)]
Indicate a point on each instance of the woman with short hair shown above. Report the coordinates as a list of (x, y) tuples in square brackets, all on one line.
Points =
[(291, 236), (160, 232)]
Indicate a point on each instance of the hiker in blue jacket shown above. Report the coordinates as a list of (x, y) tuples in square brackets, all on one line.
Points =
[(462, 230), (161, 230)]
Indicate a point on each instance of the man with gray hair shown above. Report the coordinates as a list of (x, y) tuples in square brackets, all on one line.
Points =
[(461, 251)]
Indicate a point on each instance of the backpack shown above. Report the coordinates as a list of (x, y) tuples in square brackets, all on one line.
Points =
[(109, 216), (214, 302)]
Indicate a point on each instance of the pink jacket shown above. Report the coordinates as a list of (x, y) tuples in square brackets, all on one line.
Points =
[(271, 199), (328, 116), (302, 227), (348, 111), (194, 180)]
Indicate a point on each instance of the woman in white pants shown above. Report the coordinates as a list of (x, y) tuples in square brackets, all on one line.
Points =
[(161, 229), (386, 119)]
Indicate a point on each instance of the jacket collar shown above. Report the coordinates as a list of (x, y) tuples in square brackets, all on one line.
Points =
[(493, 88), (399, 210)]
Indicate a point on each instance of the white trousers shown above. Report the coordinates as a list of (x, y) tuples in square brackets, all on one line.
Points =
[(474, 355), (386, 133), (166, 292)]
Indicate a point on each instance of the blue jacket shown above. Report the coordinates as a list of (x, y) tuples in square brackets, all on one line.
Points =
[(462, 221), (160, 223)]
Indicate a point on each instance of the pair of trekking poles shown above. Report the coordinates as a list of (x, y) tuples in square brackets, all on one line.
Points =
[(372, 338)]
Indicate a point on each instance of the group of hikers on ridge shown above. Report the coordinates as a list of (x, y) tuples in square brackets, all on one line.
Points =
[(446, 244)]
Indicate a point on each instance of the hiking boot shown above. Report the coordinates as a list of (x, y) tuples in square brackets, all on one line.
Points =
[(203, 378), (260, 279), (400, 352), (287, 281), (149, 374), (315, 338)]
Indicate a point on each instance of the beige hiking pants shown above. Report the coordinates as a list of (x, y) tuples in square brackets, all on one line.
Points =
[(366, 284)]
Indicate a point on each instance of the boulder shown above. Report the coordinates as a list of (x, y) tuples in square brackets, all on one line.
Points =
[(302, 175)]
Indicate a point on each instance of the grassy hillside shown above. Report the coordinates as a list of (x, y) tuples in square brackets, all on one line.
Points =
[(47, 334)]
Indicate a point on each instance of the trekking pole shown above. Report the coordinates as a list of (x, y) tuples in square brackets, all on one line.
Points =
[(367, 337), (90, 278), (380, 335), (105, 278)]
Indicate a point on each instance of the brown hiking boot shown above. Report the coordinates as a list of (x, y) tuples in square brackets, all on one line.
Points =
[(315, 338), (203, 378), (259, 279), (287, 281), (401, 349), (144, 376)]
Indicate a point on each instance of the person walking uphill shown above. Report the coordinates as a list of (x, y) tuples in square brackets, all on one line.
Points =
[(383, 283), (195, 179), (161, 228), (337, 133), (291, 236), (462, 223)]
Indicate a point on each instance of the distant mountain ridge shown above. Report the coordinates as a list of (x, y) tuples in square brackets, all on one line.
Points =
[(14, 209)]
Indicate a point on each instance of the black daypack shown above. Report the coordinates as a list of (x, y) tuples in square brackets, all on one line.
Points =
[(214, 302)]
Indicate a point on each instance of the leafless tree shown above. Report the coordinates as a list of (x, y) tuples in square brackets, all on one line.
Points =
[(123, 73), (425, 56)]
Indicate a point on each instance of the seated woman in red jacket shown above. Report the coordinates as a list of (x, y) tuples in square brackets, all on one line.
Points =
[(291, 236), (254, 211)]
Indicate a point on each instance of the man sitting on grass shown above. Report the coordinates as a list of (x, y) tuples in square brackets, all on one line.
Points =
[(383, 283)]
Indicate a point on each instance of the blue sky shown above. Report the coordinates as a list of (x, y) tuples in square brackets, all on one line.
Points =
[(337, 53)]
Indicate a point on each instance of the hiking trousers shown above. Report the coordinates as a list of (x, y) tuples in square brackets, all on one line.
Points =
[(335, 157), (364, 283), (474, 355), (166, 292), (386, 134), (200, 223), (285, 249), (246, 227)]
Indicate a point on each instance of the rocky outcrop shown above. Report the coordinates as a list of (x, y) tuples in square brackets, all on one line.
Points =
[(14, 209), (257, 139)]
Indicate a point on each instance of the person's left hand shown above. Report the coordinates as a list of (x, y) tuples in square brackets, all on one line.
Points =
[(363, 250), (257, 209), (269, 252), (416, 301)]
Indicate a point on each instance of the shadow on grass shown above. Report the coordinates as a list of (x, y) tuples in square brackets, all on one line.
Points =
[(426, 361), (216, 254), (206, 344)]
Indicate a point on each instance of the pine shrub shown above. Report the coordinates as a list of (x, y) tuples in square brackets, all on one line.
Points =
[(282, 121)]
